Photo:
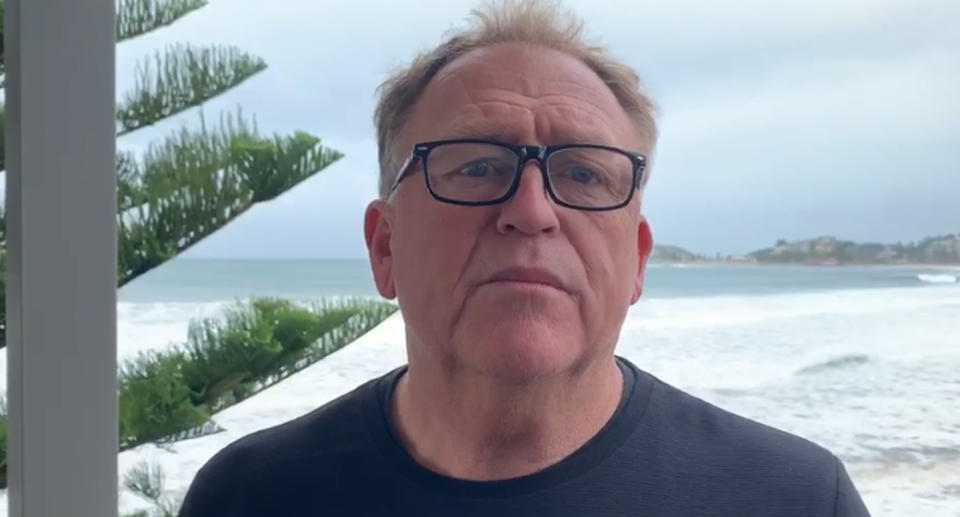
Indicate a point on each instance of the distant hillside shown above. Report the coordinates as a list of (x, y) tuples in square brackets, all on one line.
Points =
[(943, 249), (667, 253)]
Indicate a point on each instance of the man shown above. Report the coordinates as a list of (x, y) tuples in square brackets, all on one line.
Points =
[(509, 228)]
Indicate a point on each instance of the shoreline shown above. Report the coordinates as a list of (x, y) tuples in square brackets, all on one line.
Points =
[(904, 265)]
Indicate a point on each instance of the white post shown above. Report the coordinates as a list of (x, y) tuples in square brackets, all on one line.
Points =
[(61, 258)]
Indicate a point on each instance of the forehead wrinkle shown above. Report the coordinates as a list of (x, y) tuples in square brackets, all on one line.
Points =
[(471, 85), (533, 94), (576, 124), (478, 122), (579, 124), (537, 89), (563, 99), (572, 106), (595, 94)]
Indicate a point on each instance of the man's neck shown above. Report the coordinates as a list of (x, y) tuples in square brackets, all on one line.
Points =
[(478, 429)]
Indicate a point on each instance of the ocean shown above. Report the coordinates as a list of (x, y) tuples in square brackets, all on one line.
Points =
[(862, 360)]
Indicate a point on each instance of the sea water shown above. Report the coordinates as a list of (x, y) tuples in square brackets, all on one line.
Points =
[(862, 360)]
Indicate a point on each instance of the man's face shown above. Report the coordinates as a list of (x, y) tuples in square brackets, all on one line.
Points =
[(473, 283)]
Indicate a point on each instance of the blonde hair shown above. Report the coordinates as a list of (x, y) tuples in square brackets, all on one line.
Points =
[(539, 22)]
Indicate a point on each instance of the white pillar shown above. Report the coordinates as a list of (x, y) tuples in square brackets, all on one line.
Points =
[(61, 258)]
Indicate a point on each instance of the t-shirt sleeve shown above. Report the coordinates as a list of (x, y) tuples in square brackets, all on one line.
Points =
[(220, 487), (204, 492), (848, 502)]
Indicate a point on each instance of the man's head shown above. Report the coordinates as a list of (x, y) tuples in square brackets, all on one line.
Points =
[(525, 287)]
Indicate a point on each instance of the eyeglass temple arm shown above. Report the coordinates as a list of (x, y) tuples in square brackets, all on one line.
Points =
[(404, 170)]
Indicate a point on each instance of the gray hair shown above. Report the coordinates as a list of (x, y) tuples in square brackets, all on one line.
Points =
[(539, 22)]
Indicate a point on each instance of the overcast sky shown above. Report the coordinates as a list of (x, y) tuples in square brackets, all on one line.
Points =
[(777, 119)]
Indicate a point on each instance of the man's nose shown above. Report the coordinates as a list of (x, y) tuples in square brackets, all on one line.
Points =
[(530, 210)]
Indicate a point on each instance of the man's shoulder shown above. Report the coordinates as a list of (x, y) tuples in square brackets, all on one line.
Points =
[(312, 445), (712, 447), (331, 427), (695, 418)]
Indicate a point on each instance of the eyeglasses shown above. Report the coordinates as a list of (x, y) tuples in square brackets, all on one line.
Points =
[(484, 172)]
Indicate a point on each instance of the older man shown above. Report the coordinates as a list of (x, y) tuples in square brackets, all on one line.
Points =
[(513, 157)]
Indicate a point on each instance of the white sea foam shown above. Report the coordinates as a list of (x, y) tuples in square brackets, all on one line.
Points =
[(143, 326), (941, 278), (745, 309)]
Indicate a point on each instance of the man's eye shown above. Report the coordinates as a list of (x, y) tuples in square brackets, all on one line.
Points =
[(583, 175), (477, 169)]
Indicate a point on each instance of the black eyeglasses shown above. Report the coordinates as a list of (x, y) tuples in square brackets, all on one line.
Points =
[(484, 172)]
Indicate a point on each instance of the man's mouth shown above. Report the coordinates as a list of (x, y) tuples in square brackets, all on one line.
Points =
[(528, 275)]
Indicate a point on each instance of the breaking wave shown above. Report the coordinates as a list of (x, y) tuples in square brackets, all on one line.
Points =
[(940, 278), (835, 363)]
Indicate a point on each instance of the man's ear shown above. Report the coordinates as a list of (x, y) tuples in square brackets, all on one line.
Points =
[(377, 231), (644, 248)]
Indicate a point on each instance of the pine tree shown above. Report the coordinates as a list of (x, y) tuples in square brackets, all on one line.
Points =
[(196, 180)]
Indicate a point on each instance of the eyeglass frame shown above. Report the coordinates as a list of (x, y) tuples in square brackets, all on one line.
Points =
[(524, 153)]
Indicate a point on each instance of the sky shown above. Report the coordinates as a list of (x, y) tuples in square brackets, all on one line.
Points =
[(777, 120)]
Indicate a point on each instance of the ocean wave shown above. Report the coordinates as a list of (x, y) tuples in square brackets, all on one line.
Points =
[(939, 278), (842, 361), (731, 310)]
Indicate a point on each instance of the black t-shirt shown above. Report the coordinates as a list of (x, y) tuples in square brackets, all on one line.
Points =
[(663, 453)]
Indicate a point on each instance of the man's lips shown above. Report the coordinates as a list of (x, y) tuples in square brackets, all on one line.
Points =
[(527, 275)]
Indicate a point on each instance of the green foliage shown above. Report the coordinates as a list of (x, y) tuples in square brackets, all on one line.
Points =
[(367, 315), (224, 354), (183, 156), (943, 249), (940, 249), (170, 395), (3, 60), (196, 181), (3, 82), (295, 328), (672, 254), (154, 401), (270, 167), (854, 253), (147, 481), (257, 345), (136, 17), (181, 191), (182, 76)]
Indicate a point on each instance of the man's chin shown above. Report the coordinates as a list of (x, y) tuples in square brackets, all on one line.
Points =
[(519, 352)]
